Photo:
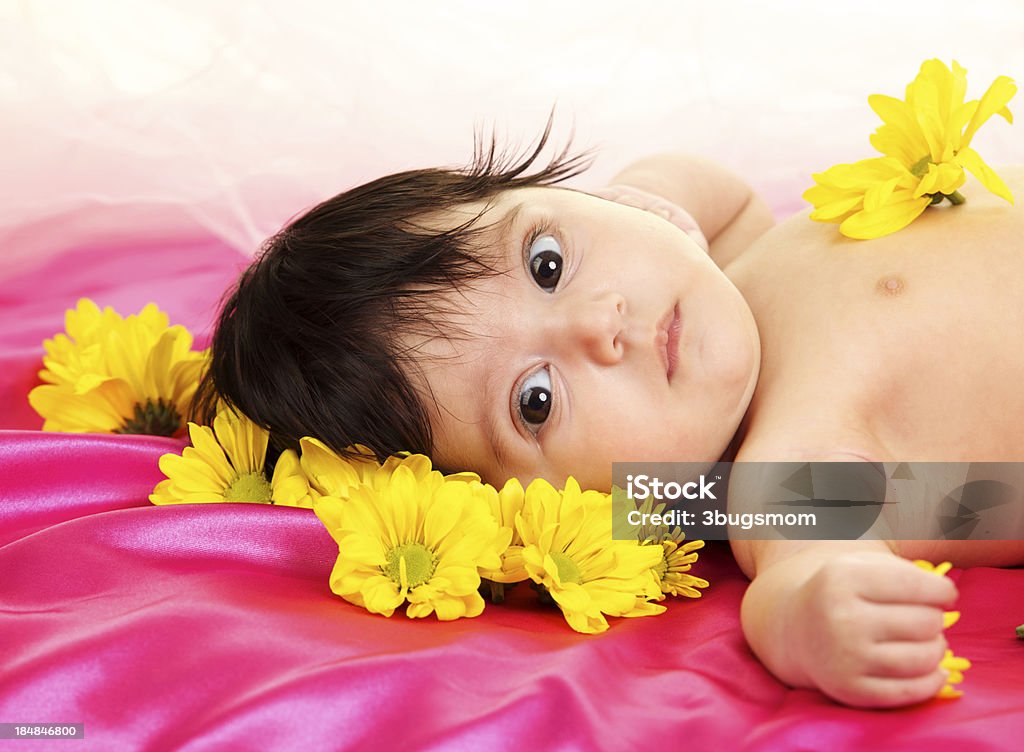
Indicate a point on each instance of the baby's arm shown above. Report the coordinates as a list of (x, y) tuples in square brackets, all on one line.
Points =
[(729, 213), (850, 618)]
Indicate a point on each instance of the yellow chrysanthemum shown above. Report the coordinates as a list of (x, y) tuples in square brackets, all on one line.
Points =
[(870, 198), (569, 549), (227, 464), (412, 538), (672, 572), (120, 375), (927, 142), (505, 505), (332, 475), (953, 664)]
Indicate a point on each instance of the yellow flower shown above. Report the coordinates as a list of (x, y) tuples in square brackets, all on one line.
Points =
[(672, 572), (927, 142), (412, 538), (939, 569), (955, 666), (227, 464), (505, 505), (332, 475), (120, 375), (871, 198), (951, 663), (569, 549), (949, 618)]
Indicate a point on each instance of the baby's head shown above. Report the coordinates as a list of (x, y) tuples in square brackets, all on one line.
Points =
[(491, 320)]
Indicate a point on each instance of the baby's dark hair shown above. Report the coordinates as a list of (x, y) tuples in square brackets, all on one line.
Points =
[(306, 342)]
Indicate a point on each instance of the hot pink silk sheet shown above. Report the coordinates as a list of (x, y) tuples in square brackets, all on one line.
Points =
[(213, 627)]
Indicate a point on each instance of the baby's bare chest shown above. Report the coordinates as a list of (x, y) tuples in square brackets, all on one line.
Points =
[(914, 342)]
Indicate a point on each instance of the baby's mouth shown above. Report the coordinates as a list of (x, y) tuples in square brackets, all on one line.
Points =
[(667, 340)]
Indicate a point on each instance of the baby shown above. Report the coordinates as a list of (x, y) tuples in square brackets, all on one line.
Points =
[(508, 326)]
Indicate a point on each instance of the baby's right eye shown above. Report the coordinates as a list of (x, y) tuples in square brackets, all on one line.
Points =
[(535, 400), (545, 262)]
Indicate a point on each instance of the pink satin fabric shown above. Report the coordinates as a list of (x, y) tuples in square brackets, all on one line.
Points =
[(213, 627)]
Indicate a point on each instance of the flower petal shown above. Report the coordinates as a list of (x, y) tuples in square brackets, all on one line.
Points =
[(992, 102), (886, 220), (972, 161)]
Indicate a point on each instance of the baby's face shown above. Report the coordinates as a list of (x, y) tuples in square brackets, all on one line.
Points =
[(613, 337)]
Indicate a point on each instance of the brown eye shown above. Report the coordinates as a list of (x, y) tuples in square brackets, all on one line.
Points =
[(546, 262), (535, 400)]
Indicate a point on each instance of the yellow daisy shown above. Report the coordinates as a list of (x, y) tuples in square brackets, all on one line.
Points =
[(110, 374), (927, 142), (415, 539), (672, 572), (330, 474), (505, 505), (569, 549), (870, 198), (949, 618), (227, 464), (953, 664)]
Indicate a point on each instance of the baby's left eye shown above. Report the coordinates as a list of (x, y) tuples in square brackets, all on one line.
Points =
[(535, 400), (546, 262)]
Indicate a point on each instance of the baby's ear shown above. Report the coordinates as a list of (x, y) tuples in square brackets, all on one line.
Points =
[(656, 205)]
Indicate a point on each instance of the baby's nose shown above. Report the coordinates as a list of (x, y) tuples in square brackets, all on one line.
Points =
[(596, 326)]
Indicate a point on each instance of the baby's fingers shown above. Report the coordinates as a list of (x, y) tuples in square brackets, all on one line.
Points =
[(896, 622), (905, 660), (890, 692), (902, 582)]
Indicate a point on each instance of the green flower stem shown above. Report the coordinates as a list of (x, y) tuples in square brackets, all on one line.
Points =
[(956, 198), (494, 591), (542, 593)]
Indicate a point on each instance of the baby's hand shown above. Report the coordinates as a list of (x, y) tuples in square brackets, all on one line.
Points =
[(867, 629)]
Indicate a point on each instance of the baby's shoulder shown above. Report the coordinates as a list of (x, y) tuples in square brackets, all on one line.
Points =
[(809, 441)]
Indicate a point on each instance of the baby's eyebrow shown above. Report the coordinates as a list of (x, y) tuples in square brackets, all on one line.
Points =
[(502, 229), (504, 225)]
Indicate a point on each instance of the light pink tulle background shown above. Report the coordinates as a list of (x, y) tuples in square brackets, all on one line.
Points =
[(121, 120)]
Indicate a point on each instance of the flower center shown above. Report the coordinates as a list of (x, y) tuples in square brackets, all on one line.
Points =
[(567, 569), (410, 565), (249, 487), (161, 419)]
